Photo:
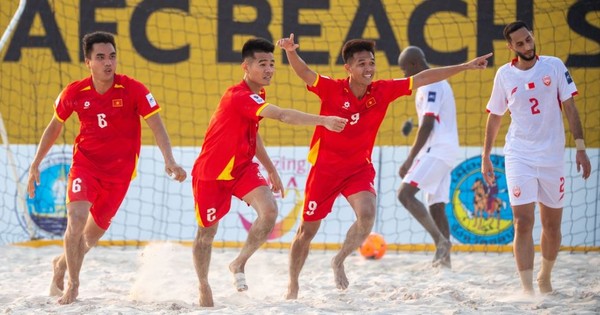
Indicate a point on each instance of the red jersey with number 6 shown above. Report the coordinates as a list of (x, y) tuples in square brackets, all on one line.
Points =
[(109, 139)]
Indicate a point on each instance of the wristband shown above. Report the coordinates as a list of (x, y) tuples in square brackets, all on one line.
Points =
[(579, 144)]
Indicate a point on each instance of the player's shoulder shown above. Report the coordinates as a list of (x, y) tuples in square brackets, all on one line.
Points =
[(76, 87), (241, 92), (127, 81), (551, 61)]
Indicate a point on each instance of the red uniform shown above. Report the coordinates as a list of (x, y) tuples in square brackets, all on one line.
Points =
[(343, 160), (107, 147), (224, 167)]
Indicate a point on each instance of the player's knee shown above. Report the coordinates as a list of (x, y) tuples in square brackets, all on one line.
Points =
[(523, 224), (204, 236), (268, 213), (307, 232), (404, 196)]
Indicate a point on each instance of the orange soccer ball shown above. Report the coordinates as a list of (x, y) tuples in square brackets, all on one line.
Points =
[(373, 247)]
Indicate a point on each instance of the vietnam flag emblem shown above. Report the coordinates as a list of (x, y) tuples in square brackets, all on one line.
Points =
[(371, 102), (117, 103)]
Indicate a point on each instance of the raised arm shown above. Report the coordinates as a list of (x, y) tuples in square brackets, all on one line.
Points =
[(49, 136), (491, 131), (581, 158), (296, 117), (299, 66), (164, 143), (437, 74)]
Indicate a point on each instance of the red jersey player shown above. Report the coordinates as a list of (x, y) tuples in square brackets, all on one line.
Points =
[(225, 168), (535, 90), (342, 162), (105, 153)]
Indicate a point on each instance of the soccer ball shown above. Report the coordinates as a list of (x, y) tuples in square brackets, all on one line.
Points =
[(373, 247)]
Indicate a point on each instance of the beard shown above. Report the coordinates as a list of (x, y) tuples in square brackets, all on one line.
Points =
[(522, 56)]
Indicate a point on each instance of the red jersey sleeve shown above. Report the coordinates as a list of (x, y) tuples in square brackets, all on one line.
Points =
[(251, 104), (322, 86), (63, 107), (392, 89), (146, 105)]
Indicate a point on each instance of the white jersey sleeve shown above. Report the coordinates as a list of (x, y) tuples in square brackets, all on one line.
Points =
[(566, 86), (498, 104)]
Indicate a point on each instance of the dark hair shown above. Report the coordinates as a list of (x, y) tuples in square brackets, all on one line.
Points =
[(256, 45), (513, 27), (96, 37), (357, 45)]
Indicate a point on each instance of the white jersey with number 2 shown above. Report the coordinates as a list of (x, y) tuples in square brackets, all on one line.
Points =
[(534, 99)]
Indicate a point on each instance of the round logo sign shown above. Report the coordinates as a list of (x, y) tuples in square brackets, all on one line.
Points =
[(47, 210), (479, 213)]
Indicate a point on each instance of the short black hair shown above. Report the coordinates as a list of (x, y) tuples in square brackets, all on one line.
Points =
[(513, 27), (357, 45), (256, 45), (96, 37)]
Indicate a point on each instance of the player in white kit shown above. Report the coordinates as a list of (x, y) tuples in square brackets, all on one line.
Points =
[(432, 155), (535, 90)]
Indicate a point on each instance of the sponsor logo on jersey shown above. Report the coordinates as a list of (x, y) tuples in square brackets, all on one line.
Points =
[(431, 97), (346, 105), (259, 100), (568, 77), (119, 103), (514, 90), (87, 104), (478, 212), (547, 80), (150, 99)]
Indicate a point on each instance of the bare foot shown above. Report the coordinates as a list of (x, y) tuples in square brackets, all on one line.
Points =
[(58, 278), (339, 275), (206, 298), (442, 252), (292, 293), (544, 284), (69, 296)]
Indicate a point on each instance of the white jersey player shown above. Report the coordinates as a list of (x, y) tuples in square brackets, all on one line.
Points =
[(535, 90), (432, 155)]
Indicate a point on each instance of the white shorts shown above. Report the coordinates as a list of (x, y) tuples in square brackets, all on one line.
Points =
[(527, 183), (431, 175)]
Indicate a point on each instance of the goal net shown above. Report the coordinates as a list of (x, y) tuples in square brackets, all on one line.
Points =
[(188, 52)]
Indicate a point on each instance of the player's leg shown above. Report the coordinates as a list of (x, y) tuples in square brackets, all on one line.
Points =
[(523, 219), (425, 175), (551, 209), (202, 249), (299, 250), (364, 205), (74, 246), (438, 213), (262, 200)]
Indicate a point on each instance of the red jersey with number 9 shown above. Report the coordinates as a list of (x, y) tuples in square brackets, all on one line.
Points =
[(109, 139), (353, 146)]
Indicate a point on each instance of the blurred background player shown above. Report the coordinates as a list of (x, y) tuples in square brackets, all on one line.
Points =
[(342, 162), (432, 155), (225, 168), (105, 153), (535, 89)]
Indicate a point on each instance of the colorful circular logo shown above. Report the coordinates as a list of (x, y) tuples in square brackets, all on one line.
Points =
[(47, 210), (479, 213)]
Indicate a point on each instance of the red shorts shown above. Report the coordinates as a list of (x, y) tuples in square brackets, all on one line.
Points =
[(105, 197), (213, 197), (323, 187)]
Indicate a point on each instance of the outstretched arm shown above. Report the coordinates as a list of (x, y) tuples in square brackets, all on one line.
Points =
[(491, 131), (581, 158), (296, 117), (265, 160), (437, 74), (48, 138), (162, 140), (299, 66)]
